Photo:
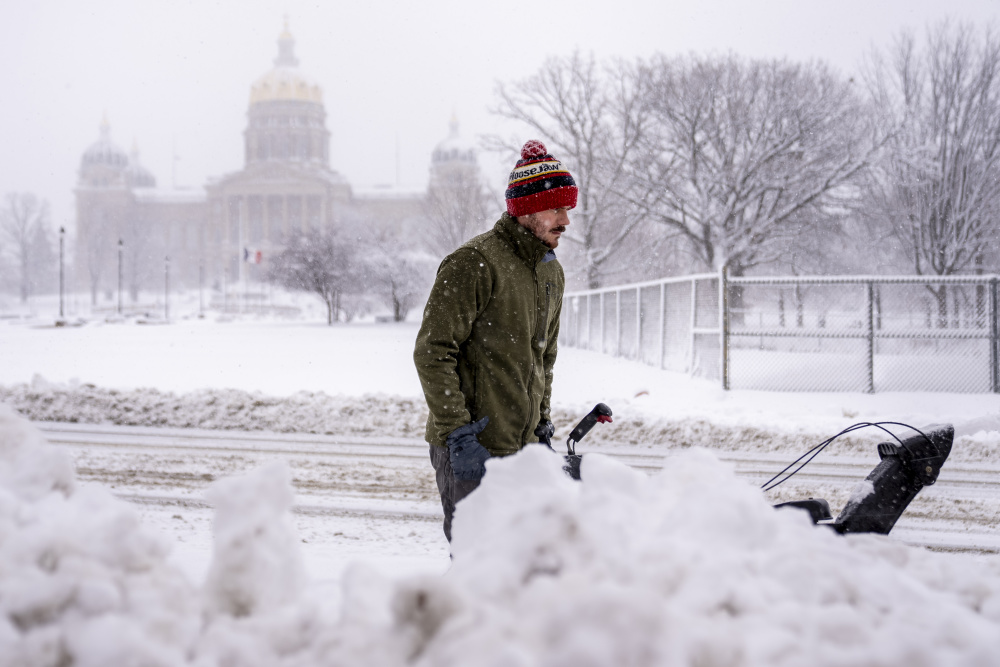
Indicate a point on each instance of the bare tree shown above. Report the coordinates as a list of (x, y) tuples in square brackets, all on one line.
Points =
[(590, 117), (24, 223), (318, 261), (743, 158), (98, 252), (44, 265), (457, 208), (141, 255), (400, 277), (937, 187)]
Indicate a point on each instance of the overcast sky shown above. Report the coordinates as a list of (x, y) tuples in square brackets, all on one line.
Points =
[(174, 77)]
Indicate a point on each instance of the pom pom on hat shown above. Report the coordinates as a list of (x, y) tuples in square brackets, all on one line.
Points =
[(532, 149), (539, 182)]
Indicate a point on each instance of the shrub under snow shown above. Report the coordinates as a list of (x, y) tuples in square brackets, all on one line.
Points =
[(689, 567)]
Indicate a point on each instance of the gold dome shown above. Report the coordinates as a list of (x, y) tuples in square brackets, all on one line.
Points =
[(285, 82)]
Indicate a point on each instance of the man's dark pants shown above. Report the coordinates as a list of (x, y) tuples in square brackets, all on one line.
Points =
[(452, 490)]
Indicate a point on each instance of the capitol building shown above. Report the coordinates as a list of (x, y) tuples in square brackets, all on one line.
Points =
[(286, 186)]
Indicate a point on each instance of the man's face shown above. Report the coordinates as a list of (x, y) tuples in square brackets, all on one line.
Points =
[(548, 225)]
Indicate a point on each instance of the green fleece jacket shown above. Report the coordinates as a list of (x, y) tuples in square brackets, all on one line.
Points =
[(487, 343)]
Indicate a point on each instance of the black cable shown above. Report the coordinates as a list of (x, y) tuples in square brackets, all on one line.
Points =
[(815, 451)]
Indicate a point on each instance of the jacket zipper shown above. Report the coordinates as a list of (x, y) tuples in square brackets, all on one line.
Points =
[(531, 373), (542, 332)]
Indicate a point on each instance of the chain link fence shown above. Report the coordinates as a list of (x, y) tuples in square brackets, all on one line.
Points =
[(671, 323), (849, 333)]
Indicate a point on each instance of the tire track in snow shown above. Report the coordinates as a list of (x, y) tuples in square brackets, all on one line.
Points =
[(959, 513), (979, 478)]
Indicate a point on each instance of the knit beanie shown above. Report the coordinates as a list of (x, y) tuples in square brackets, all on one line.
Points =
[(539, 182)]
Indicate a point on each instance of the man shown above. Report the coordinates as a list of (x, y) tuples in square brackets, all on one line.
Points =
[(487, 344)]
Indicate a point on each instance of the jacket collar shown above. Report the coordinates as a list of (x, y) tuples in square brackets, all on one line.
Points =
[(525, 244)]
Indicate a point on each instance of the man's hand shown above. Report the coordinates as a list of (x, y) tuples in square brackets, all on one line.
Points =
[(467, 455), (545, 430)]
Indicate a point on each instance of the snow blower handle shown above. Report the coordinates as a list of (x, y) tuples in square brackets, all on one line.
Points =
[(601, 413)]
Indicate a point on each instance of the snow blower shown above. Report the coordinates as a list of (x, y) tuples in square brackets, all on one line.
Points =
[(904, 468)]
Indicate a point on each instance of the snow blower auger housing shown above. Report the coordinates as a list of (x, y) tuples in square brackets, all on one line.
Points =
[(904, 468)]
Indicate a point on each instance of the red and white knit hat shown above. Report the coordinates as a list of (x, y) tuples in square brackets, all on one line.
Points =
[(539, 182)]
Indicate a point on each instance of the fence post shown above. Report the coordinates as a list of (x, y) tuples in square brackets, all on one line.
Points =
[(564, 331), (590, 324), (693, 323), (870, 335), (638, 324), (579, 323), (994, 338), (663, 322), (618, 323), (604, 346), (724, 325)]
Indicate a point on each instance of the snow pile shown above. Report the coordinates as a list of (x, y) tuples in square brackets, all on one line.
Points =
[(253, 592), (691, 566), (232, 409), (256, 565), (81, 582)]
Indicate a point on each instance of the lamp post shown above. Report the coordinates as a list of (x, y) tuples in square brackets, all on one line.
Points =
[(166, 288), (62, 236), (121, 252), (201, 287)]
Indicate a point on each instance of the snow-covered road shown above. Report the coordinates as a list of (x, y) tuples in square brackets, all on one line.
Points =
[(356, 500), (377, 492)]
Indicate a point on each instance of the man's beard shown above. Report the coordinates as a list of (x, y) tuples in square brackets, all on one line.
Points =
[(537, 228), (555, 241)]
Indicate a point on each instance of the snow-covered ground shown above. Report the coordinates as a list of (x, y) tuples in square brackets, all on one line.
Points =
[(287, 359), (687, 566)]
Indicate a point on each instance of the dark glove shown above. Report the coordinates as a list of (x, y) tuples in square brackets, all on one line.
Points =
[(468, 456), (545, 430)]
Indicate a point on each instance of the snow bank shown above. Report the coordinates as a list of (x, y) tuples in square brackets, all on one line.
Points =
[(690, 566), (81, 582), (727, 429), (256, 565), (234, 409)]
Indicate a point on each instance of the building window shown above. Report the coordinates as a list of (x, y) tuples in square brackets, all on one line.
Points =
[(194, 234), (295, 214), (275, 218), (255, 215), (217, 221), (234, 220), (314, 212)]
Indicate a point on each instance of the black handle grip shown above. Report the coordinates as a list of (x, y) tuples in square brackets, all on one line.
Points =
[(600, 413)]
